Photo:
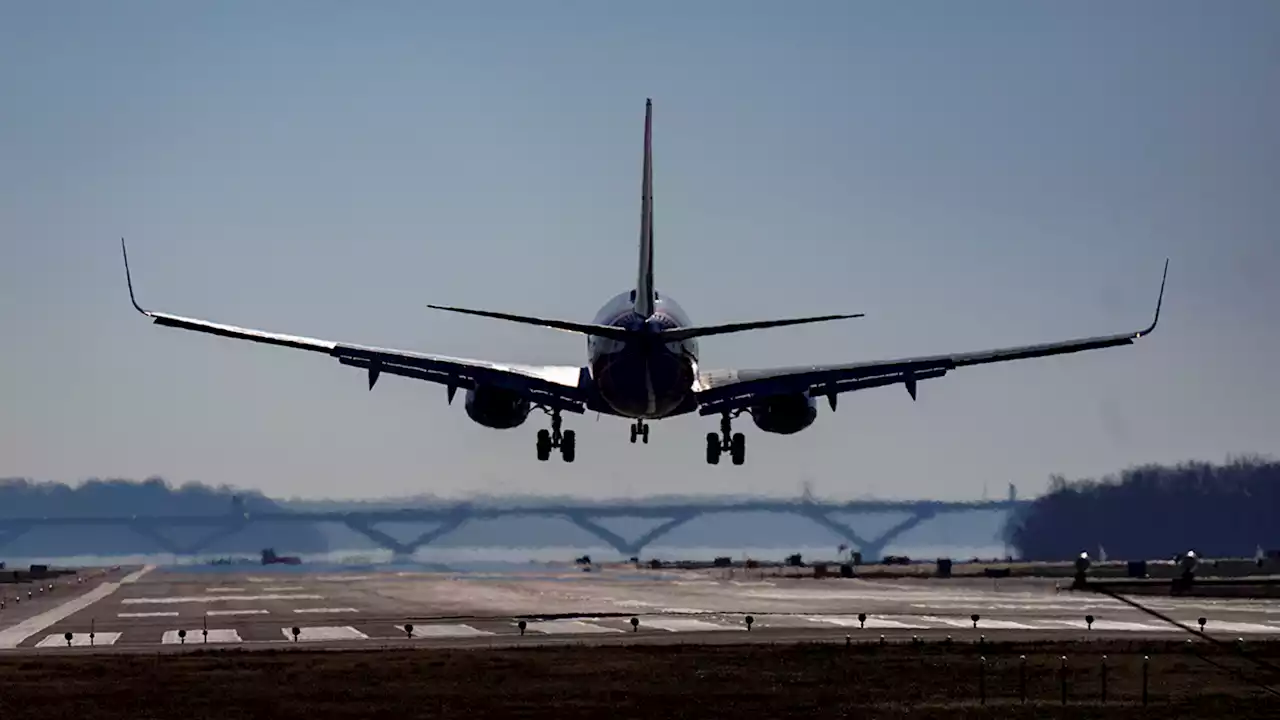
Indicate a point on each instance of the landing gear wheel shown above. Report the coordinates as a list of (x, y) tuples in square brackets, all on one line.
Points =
[(549, 440), (568, 445), (738, 449), (726, 441), (640, 429), (544, 445)]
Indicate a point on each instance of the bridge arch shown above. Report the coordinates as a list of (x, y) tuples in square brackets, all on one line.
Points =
[(587, 517)]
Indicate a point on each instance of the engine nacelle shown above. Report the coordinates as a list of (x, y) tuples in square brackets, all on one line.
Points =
[(496, 408), (785, 414)]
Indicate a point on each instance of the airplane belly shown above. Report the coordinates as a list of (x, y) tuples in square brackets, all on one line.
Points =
[(644, 385)]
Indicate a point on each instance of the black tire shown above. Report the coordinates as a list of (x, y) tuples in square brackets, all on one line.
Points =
[(713, 449), (544, 445), (568, 445), (645, 435), (738, 449)]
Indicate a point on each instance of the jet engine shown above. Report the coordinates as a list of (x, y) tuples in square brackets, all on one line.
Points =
[(785, 414), (497, 408)]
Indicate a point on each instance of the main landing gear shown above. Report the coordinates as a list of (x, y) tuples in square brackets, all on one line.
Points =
[(735, 444), (554, 438), (640, 429)]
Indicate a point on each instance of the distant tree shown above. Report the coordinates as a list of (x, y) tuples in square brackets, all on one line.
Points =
[(1156, 511), (21, 497)]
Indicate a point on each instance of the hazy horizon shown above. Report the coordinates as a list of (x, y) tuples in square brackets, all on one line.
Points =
[(970, 177)]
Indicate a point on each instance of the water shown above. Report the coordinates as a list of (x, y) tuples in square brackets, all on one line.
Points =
[(488, 559)]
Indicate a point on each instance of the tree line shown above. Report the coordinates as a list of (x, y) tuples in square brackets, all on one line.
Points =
[(1155, 511), (22, 498)]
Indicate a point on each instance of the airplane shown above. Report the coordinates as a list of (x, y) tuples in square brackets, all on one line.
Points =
[(642, 363)]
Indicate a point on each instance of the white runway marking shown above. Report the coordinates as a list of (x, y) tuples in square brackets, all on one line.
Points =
[(247, 611), (325, 633), (569, 627), (283, 588), (223, 589), (80, 640), (1214, 626), (1115, 626), (11, 637), (983, 623), (686, 625), (325, 610), (147, 614), (136, 575), (873, 623), (213, 598), (441, 630), (194, 637)]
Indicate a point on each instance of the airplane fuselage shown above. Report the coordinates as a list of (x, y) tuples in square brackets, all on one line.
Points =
[(643, 380)]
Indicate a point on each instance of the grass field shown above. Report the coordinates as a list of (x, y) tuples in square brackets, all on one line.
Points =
[(734, 681)]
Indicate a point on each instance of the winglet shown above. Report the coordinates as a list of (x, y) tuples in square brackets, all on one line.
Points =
[(1159, 302), (129, 278)]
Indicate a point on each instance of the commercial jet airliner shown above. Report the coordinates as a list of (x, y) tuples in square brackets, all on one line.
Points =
[(642, 363)]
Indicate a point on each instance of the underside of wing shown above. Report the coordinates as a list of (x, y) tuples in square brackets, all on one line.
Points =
[(556, 386), (725, 390)]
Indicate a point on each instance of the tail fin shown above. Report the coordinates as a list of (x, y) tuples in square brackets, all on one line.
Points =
[(644, 296), (644, 292)]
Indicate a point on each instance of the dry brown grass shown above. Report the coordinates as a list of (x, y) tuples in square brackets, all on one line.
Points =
[(669, 681)]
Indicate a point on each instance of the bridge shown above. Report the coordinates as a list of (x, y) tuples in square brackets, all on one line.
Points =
[(447, 519)]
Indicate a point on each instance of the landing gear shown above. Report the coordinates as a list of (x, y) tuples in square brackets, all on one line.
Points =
[(554, 438), (726, 441), (640, 429)]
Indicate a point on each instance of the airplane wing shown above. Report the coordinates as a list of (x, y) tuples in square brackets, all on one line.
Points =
[(552, 386), (726, 390)]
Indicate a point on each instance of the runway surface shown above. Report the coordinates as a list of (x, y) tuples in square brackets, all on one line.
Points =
[(144, 609)]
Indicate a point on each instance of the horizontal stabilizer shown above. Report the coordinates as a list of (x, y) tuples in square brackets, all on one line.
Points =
[(678, 334), (622, 334), (609, 331)]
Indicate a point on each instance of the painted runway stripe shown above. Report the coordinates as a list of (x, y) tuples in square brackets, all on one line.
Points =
[(687, 625), (147, 614), (213, 598), (568, 627), (442, 630), (246, 611), (80, 640), (1114, 625), (194, 637), (11, 637), (1216, 626), (983, 623), (873, 623), (325, 633), (283, 588), (223, 590), (326, 610)]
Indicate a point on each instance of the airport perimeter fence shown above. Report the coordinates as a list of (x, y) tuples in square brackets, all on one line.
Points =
[(1094, 672)]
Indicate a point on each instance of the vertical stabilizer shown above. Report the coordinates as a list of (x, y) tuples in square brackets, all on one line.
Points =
[(644, 294)]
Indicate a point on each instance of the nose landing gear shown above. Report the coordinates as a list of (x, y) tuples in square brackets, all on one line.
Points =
[(726, 441), (566, 441), (640, 429)]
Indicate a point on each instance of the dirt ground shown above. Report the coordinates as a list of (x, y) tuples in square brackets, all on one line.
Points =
[(673, 681)]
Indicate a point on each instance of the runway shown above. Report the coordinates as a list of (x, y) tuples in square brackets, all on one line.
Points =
[(174, 609)]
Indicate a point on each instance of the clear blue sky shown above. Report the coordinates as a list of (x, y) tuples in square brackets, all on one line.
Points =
[(969, 175)]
